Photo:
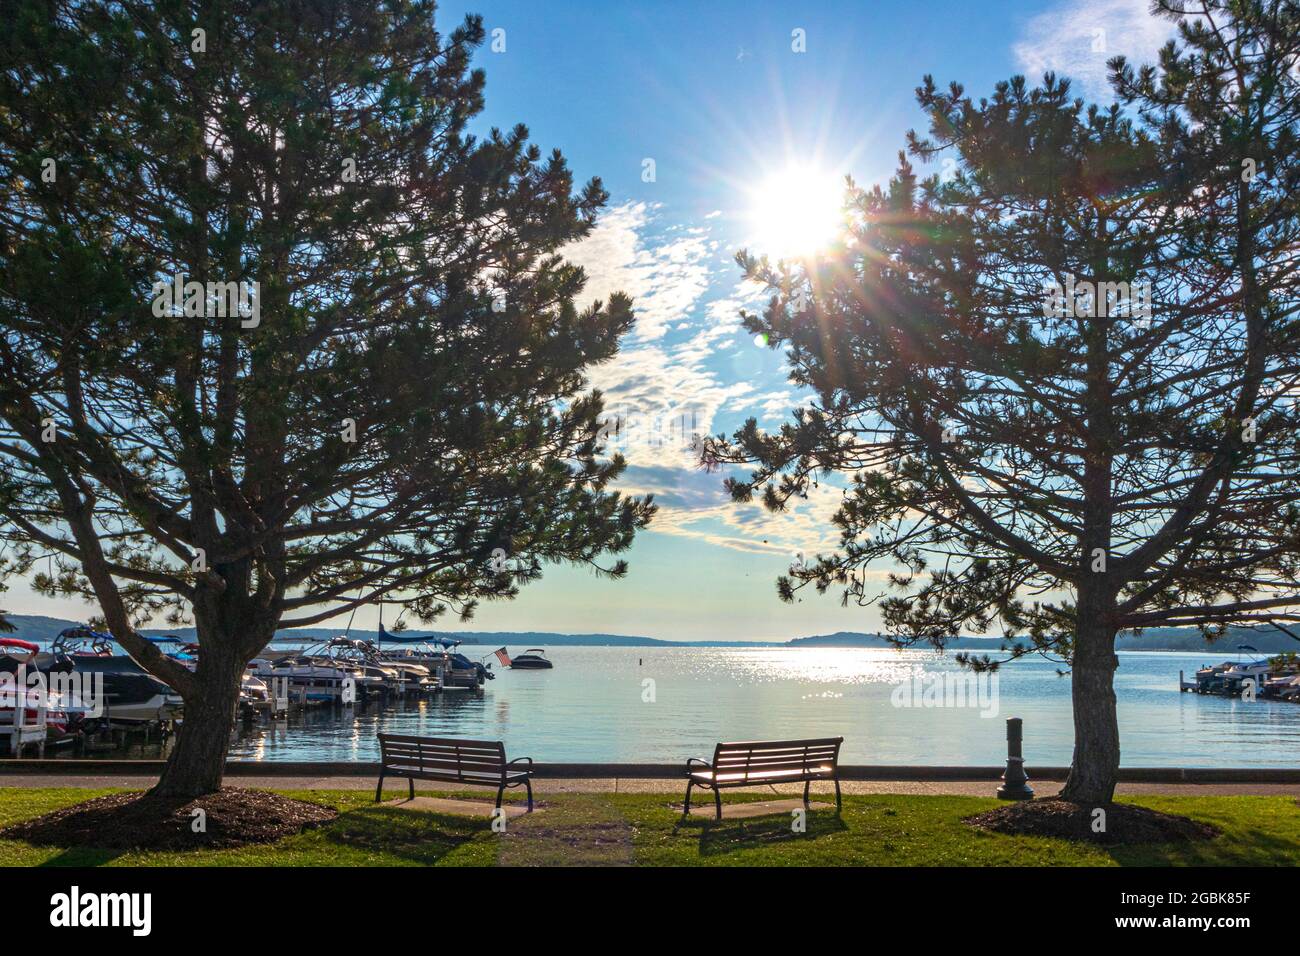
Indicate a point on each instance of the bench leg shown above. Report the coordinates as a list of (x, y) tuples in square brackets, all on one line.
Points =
[(838, 804), (806, 785), (500, 792), (686, 807), (717, 801), (410, 782), (379, 790), (529, 785)]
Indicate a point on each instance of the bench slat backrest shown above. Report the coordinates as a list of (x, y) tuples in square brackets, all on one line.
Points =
[(759, 757), (446, 756)]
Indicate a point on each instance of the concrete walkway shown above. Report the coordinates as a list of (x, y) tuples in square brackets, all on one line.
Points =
[(543, 786)]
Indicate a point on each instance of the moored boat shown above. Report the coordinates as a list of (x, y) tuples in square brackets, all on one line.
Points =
[(1237, 678), (382, 676), (47, 698), (254, 695), (1285, 687), (415, 677), (308, 677), (532, 659), (441, 656), (132, 696)]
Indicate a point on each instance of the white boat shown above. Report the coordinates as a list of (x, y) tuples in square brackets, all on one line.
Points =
[(532, 659), (35, 713), (453, 669), (1238, 676), (254, 695), (318, 679), (1231, 678), (1283, 687), (416, 675), (307, 678), (132, 696), (384, 675)]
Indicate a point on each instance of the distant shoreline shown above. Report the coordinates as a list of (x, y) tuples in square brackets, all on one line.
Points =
[(1187, 640)]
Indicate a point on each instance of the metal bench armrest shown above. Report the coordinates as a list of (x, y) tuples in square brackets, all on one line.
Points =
[(519, 759), (703, 763)]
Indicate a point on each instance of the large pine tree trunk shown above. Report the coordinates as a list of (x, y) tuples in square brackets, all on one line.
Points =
[(1095, 767), (198, 762)]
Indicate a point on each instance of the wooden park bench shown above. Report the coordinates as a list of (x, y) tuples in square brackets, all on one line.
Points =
[(480, 762), (760, 762)]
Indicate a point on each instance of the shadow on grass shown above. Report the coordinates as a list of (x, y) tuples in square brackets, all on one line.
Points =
[(718, 837), (1253, 831), (578, 830), (82, 856), (418, 837), (1240, 848)]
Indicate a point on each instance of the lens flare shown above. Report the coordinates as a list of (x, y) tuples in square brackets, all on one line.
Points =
[(796, 212)]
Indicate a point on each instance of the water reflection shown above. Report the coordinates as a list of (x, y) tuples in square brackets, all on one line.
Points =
[(594, 706)]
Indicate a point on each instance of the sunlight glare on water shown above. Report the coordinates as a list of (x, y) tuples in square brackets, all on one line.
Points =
[(666, 704)]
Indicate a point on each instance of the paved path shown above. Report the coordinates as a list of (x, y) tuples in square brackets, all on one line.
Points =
[(542, 786)]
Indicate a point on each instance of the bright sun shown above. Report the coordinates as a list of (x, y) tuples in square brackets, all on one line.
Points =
[(796, 211)]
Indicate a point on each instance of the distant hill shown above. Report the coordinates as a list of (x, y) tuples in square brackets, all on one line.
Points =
[(38, 628), (1271, 641), (856, 639), (34, 627), (1266, 640), (840, 639), (516, 638), (494, 638)]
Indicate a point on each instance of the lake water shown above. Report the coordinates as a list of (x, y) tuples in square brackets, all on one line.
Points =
[(596, 705)]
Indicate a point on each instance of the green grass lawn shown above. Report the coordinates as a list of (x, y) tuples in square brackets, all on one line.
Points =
[(644, 829)]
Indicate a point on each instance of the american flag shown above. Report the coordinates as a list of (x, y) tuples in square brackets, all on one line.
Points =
[(503, 657)]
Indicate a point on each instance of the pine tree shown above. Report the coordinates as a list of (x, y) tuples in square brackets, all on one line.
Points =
[(1062, 383), (281, 338)]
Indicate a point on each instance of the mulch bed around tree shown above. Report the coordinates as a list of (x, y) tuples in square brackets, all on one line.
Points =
[(132, 821), (1124, 822)]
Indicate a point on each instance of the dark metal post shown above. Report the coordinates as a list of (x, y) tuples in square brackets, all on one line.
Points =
[(1015, 783)]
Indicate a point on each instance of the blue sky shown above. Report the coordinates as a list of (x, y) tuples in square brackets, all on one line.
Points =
[(715, 95)]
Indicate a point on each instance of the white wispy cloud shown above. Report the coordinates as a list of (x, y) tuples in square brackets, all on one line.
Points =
[(662, 387), (1076, 38), (775, 405), (665, 273), (660, 399), (669, 384), (695, 505)]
